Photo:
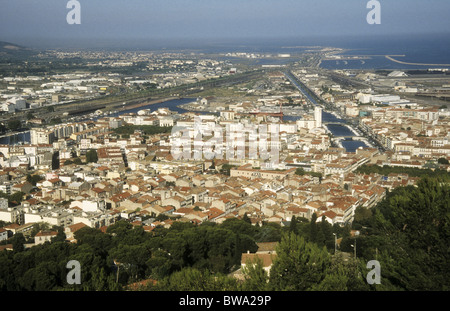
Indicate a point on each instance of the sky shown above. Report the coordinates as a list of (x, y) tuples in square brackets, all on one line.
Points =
[(33, 22)]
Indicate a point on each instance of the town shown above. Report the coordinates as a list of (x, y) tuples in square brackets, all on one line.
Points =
[(316, 137)]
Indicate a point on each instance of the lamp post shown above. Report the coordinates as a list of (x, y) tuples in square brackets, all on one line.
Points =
[(335, 242), (354, 248)]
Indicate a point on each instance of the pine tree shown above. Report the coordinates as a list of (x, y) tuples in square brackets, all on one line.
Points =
[(313, 228), (299, 264)]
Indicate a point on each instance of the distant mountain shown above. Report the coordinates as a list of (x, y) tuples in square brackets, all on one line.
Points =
[(8, 47), (11, 50)]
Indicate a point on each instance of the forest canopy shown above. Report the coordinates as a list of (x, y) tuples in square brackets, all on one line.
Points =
[(408, 233)]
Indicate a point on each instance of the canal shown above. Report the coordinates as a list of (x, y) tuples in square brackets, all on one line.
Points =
[(24, 137), (335, 128), (338, 130)]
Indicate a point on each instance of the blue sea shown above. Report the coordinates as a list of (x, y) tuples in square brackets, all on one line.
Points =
[(418, 48), (427, 49)]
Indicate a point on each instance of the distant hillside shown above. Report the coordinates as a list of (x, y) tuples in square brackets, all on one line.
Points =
[(11, 50)]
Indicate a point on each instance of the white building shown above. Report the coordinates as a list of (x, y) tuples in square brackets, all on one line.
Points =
[(41, 136), (318, 116), (89, 206), (14, 104), (3, 203), (3, 234)]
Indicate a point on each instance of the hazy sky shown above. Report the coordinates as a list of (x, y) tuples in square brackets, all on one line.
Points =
[(22, 20)]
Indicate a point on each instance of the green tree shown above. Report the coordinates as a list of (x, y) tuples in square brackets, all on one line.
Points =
[(269, 232), (255, 277), (299, 264), (68, 162), (61, 236), (246, 219), (239, 226), (38, 227), (409, 233), (43, 277), (17, 197), (91, 156), (14, 124), (190, 279), (34, 179), (293, 225), (443, 161), (226, 168), (55, 121), (99, 242), (343, 276), (313, 231), (300, 171), (18, 241)]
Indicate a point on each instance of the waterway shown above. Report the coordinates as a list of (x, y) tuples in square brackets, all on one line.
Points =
[(176, 105), (173, 105), (338, 130), (16, 139)]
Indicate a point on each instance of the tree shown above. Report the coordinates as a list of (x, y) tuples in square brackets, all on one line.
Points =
[(68, 162), (300, 171), (256, 278), (361, 214), (61, 236), (246, 219), (409, 233), (299, 264), (94, 238), (343, 276), (34, 179), (443, 161), (268, 232), (16, 197), (91, 156), (226, 168), (313, 228), (77, 161), (293, 225), (190, 279), (43, 277), (14, 124), (18, 241), (55, 121), (55, 160), (38, 227), (239, 226)]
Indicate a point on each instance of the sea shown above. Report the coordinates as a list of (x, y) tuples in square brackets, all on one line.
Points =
[(424, 49), (417, 48)]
